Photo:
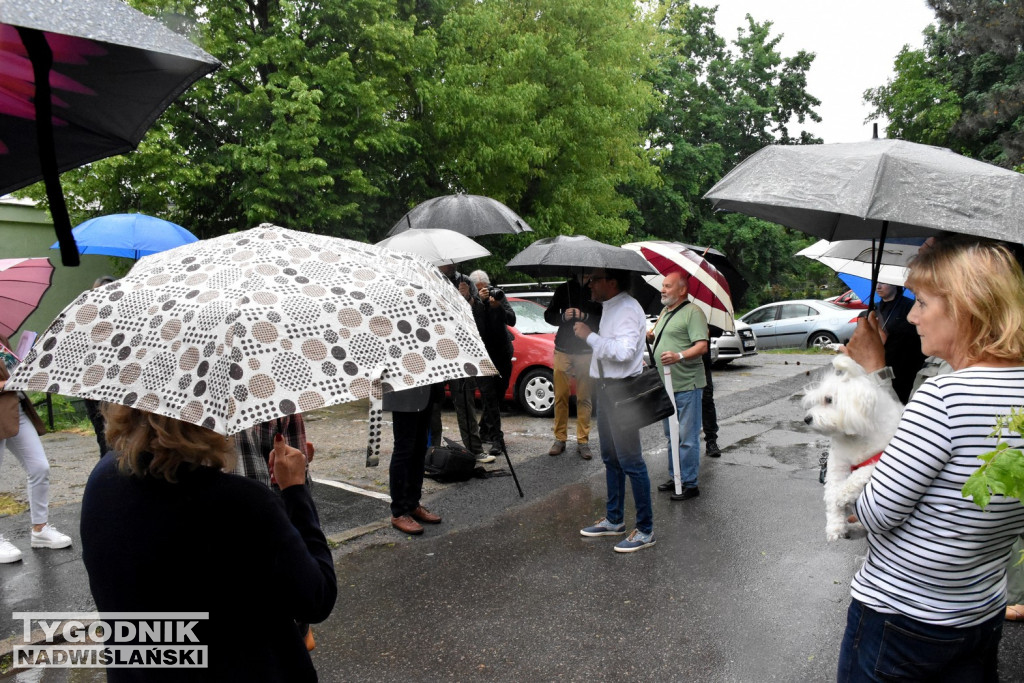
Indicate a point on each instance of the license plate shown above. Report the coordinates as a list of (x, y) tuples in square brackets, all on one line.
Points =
[(748, 345)]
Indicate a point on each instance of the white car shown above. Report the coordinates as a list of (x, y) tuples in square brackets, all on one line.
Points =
[(733, 345)]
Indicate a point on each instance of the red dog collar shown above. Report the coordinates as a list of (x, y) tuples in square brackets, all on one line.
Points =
[(870, 461)]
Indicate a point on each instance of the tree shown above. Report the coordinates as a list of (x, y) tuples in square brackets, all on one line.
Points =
[(965, 89), (721, 105)]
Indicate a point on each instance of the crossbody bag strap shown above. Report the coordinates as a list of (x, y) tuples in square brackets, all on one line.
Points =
[(662, 331)]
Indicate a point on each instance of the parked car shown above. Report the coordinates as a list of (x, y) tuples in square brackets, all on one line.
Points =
[(532, 383), (802, 323), (848, 299), (733, 345)]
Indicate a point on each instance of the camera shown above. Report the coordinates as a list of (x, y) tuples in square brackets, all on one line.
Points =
[(496, 294)]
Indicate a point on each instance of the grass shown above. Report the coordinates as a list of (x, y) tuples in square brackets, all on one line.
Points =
[(67, 417), (813, 351), (9, 505)]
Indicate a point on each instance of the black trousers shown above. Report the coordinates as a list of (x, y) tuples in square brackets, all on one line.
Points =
[(406, 471), (492, 392), (708, 414)]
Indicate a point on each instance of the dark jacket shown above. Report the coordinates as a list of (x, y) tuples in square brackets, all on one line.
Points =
[(902, 344), (571, 294), (256, 560), (492, 322)]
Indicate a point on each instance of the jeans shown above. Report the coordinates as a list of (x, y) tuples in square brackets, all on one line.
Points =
[(623, 457), (893, 647), (28, 449), (566, 366), (688, 412)]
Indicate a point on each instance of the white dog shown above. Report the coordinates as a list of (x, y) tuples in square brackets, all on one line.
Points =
[(860, 417)]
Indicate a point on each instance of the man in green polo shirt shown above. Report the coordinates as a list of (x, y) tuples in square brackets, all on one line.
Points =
[(680, 338)]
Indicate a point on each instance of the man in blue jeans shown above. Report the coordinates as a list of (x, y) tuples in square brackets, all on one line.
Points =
[(680, 339), (617, 353)]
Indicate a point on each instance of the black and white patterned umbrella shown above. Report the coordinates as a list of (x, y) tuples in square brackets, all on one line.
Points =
[(233, 331)]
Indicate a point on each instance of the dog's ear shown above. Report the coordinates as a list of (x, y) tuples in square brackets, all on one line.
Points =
[(858, 412), (846, 366)]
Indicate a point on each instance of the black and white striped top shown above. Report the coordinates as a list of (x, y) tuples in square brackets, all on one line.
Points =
[(932, 554)]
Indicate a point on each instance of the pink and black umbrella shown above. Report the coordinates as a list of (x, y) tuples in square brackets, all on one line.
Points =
[(709, 289), (82, 80), (23, 281)]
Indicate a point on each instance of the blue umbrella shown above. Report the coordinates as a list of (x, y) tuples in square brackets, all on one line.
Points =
[(132, 235), (862, 286)]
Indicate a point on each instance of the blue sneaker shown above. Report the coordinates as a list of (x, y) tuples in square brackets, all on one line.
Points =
[(603, 527), (635, 541)]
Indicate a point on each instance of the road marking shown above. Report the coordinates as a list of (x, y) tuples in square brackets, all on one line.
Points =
[(354, 489)]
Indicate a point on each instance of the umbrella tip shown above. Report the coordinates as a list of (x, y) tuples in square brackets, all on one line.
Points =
[(874, 132)]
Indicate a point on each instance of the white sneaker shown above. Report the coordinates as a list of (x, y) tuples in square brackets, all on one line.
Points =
[(8, 553), (49, 537)]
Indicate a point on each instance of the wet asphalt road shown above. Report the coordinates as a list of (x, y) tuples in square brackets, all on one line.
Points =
[(741, 585)]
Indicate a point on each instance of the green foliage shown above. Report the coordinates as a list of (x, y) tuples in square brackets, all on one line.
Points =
[(1002, 469), (66, 417)]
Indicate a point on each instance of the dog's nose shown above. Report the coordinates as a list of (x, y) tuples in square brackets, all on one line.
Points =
[(808, 420)]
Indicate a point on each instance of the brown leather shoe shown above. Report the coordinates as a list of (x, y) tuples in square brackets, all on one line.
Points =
[(406, 524), (584, 450), (422, 514), (557, 448)]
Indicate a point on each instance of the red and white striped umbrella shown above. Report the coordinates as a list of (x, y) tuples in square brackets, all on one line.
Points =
[(708, 288)]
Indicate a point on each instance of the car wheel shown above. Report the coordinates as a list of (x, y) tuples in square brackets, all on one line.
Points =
[(821, 339), (536, 392)]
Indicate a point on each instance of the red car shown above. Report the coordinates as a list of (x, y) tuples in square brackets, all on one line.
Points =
[(532, 384), (849, 299)]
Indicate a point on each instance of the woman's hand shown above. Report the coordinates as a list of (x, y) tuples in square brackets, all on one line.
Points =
[(287, 464), (865, 346)]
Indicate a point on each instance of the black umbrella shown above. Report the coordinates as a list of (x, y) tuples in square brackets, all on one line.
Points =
[(82, 80), (470, 214), (567, 254)]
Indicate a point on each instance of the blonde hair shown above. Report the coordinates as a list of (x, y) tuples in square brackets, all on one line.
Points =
[(156, 445), (983, 286)]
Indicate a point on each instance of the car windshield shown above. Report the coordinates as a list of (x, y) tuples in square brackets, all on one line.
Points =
[(530, 318)]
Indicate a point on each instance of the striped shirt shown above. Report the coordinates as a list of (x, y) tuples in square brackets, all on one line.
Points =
[(933, 555)]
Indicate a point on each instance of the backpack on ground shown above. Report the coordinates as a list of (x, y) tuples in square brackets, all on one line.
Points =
[(450, 462)]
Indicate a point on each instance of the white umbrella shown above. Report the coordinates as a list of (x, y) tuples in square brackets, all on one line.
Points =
[(437, 245), (853, 258), (673, 429), (233, 331)]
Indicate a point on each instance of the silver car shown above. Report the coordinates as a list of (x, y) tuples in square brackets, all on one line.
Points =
[(802, 323), (733, 345)]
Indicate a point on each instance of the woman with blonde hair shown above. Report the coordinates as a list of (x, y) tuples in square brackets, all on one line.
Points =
[(165, 528), (928, 602)]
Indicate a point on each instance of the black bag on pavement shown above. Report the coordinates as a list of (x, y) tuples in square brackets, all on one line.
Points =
[(450, 462)]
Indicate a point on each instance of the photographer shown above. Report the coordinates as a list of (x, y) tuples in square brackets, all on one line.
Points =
[(495, 315)]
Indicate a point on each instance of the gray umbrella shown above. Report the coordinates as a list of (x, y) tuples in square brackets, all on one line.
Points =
[(553, 256), (84, 80), (470, 214), (848, 191), (875, 189)]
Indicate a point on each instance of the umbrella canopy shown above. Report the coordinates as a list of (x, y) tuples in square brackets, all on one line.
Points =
[(708, 288), (131, 235), (437, 245), (469, 214), (23, 281), (555, 256), (233, 331), (848, 190), (854, 257), (738, 284), (82, 80)]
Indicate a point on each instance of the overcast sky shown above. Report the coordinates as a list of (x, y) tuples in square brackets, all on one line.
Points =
[(855, 42)]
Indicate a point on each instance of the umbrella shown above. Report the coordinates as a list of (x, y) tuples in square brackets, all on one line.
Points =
[(233, 331), (131, 235), (875, 189), (23, 281), (469, 214), (82, 80), (555, 256), (738, 284), (854, 257), (437, 245), (708, 288)]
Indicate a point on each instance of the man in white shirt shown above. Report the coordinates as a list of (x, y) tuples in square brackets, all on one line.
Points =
[(618, 347)]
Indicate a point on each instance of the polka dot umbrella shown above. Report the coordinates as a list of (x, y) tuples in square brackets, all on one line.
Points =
[(233, 331)]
